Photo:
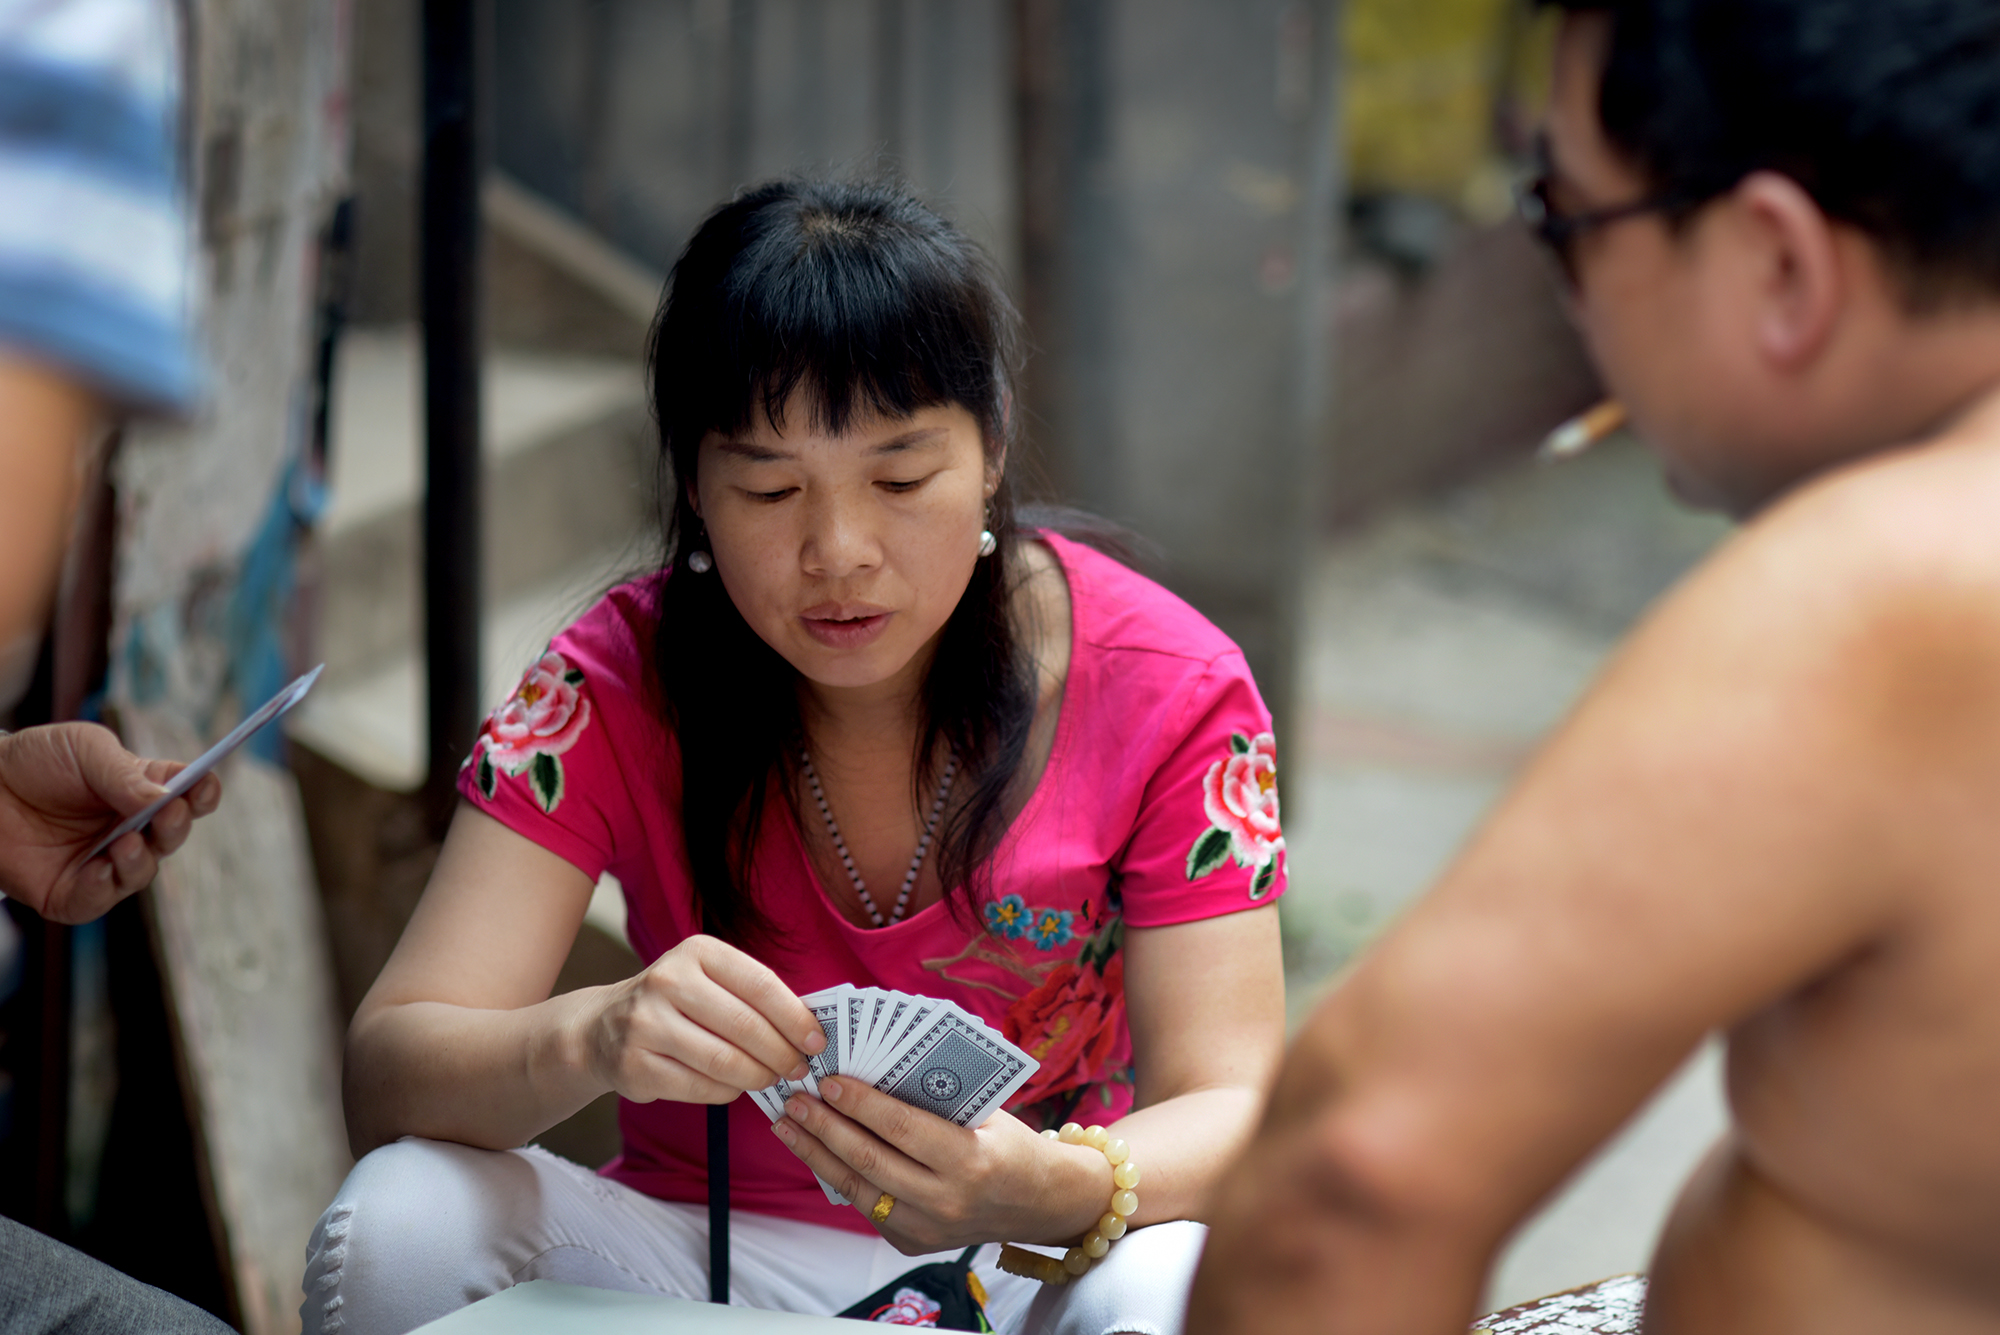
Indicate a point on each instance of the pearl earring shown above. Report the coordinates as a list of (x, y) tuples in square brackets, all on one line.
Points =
[(700, 562), (987, 543)]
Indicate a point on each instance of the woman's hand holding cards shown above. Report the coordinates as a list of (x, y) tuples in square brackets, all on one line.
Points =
[(702, 1024), (953, 1186)]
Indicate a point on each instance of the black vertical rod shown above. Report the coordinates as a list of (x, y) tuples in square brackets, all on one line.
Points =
[(718, 1203), (450, 265)]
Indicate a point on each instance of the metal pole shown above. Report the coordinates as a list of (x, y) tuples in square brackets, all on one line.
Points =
[(451, 308), (718, 1203)]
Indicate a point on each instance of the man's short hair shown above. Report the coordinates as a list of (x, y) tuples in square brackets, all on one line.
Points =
[(1886, 111)]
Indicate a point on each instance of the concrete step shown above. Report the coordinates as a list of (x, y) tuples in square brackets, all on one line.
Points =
[(568, 484), (567, 511)]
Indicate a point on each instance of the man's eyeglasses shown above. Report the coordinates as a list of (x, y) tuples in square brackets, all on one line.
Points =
[(1559, 231)]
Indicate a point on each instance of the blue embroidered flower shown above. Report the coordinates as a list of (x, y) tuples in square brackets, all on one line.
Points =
[(1008, 917), (1051, 928)]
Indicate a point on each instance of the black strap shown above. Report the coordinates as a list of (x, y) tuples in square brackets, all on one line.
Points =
[(718, 1203)]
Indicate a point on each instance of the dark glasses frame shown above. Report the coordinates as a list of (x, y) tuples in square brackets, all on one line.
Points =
[(1560, 231)]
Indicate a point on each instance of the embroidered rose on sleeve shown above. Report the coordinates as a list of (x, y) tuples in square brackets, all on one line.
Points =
[(530, 732), (1240, 797)]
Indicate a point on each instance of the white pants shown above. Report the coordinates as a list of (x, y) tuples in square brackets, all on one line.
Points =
[(422, 1227)]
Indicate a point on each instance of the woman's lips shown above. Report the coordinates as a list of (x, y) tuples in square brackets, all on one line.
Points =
[(846, 632)]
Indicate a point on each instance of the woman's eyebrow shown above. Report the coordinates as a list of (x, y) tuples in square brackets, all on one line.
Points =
[(913, 440), (758, 453), (750, 450)]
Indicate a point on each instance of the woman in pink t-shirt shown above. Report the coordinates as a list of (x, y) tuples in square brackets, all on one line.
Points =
[(852, 640)]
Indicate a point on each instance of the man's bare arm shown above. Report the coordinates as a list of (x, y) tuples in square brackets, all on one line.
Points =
[(1726, 817), (45, 420)]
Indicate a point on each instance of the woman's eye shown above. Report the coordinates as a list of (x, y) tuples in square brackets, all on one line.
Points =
[(910, 485), (772, 496)]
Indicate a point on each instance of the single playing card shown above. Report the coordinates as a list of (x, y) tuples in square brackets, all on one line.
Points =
[(956, 1069), (889, 1022), (860, 1011), (772, 1103), (855, 1009), (272, 710), (767, 1103), (878, 1020), (825, 1006), (864, 1033), (897, 1042)]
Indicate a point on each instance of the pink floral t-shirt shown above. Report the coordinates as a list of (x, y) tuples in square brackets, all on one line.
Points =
[(1158, 805)]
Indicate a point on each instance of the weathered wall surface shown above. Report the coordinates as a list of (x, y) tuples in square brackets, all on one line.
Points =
[(210, 519)]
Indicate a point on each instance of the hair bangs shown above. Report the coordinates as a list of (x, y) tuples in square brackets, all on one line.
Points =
[(837, 306)]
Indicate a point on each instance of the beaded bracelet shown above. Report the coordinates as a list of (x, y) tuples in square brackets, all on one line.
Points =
[(1124, 1202)]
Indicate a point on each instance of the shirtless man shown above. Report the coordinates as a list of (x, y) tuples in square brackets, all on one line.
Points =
[(1778, 813)]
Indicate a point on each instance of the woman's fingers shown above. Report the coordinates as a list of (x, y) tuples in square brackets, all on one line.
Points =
[(664, 1077), (758, 986), (922, 1136), (844, 1177), (680, 1039), (729, 1018), (858, 1151), (677, 1012)]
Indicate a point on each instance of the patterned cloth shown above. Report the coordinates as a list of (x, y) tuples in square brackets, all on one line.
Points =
[(1158, 805), (1609, 1307), (96, 271)]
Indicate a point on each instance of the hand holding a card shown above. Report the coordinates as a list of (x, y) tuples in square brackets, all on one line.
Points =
[(60, 785), (953, 1185), (905, 1099), (702, 1024)]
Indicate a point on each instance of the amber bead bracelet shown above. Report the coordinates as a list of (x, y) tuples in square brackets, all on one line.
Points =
[(1124, 1203)]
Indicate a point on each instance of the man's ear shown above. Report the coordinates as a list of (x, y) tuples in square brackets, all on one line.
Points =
[(1800, 288)]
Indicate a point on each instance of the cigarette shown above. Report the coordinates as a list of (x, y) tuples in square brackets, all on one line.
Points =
[(1581, 432)]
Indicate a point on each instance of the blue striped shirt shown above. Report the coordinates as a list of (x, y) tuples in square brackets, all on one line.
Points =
[(96, 246)]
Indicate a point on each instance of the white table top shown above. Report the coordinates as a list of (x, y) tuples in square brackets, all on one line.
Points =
[(540, 1307)]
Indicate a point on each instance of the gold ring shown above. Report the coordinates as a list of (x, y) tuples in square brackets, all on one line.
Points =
[(880, 1214)]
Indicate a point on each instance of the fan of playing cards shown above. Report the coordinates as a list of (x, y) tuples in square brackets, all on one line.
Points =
[(931, 1054)]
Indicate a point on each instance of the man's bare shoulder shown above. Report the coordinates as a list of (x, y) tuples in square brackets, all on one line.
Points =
[(1923, 513), (1878, 574), (1747, 787)]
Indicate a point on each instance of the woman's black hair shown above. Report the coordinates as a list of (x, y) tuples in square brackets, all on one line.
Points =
[(837, 298), (1887, 111)]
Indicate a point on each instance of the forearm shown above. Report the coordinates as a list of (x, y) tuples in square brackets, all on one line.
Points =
[(1307, 1238), (1183, 1146), (45, 417), (488, 1078), (1355, 1208)]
